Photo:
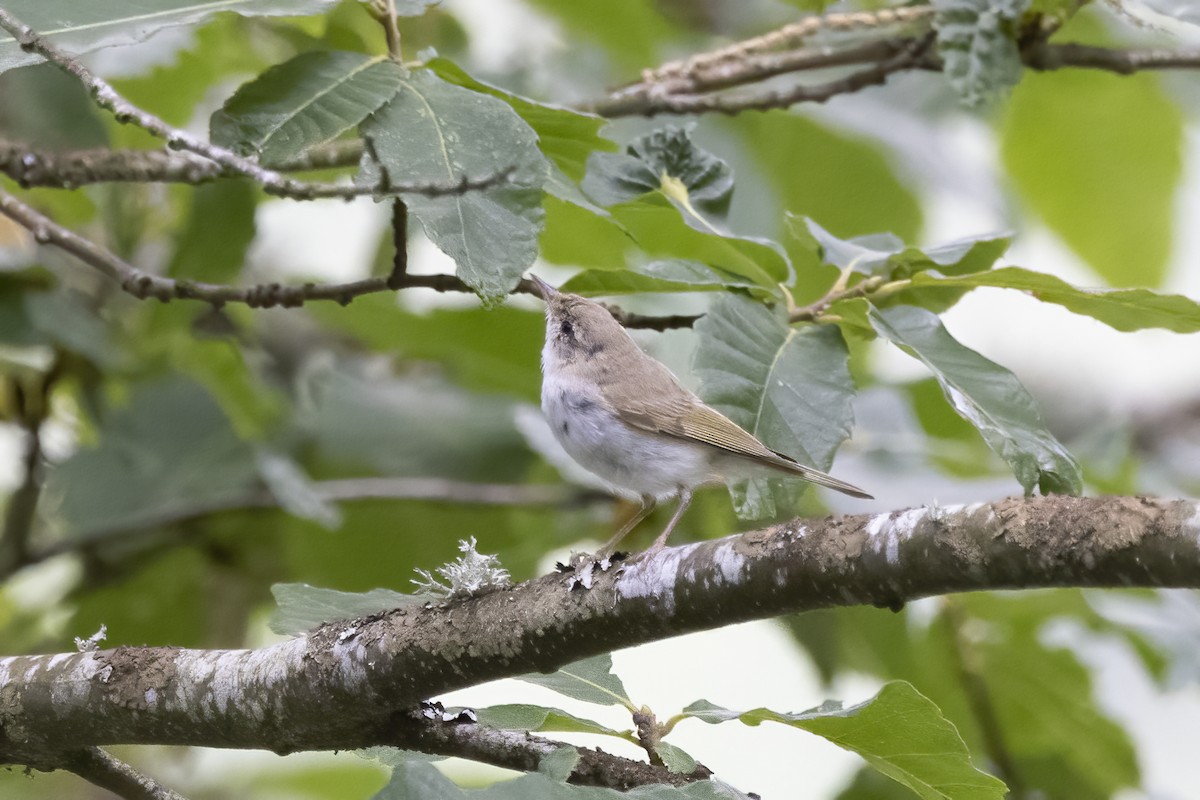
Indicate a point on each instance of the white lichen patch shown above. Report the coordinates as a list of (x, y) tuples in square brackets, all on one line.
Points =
[(654, 577), (1192, 524), (92, 643), (471, 574), (729, 562), (72, 685), (889, 532)]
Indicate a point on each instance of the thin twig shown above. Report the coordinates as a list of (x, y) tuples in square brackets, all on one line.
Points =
[(68, 170), (334, 491), (788, 36), (142, 284), (385, 12), (108, 772), (399, 244), (272, 181), (523, 751), (1043, 56), (760, 100)]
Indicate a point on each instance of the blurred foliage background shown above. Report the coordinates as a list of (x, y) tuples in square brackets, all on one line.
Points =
[(195, 456)]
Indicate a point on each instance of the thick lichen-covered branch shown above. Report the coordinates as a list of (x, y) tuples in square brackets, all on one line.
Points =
[(343, 685)]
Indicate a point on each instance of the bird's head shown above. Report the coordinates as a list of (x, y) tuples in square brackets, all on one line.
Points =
[(577, 328)]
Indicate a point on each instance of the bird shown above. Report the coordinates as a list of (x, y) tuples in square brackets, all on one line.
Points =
[(625, 417)]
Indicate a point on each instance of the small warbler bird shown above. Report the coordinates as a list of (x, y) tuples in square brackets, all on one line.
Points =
[(624, 417)]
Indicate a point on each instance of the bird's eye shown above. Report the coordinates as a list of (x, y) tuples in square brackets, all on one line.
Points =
[(567, 329)]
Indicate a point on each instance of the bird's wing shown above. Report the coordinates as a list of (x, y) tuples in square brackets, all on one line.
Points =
[(683, 415), (674, 411)]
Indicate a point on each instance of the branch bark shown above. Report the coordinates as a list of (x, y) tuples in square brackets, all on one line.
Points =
[(523, 751), (108, 772), (346, 684)]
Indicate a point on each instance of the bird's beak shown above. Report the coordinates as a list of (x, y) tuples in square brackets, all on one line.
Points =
[(546, 290)]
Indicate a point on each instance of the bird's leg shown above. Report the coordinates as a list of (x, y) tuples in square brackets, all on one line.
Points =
[(685, 500), (648, 503)]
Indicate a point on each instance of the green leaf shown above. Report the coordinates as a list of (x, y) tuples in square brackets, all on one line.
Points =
[(579, 236), (524, 717), (650, 160), (559, 765), (657, 276), (222, 49), (219, 228), (675, 759), (567, 137), (300, 607), (977, 40), (630, 31), (310, 100), (986, 395), (1123, 309), (495, 350), (888, 257), (169, 448), (590, 680), (658, 227), (847, 182), (899, 732), (415, 425), (790, 387), (435, 132), (1059, 136), (83, 27)]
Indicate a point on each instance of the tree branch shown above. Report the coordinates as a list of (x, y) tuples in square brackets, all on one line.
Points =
[(108, 772), (341, 685), (653, 101), (31, 167), (349, 489), (272, 181), (143, 285), (523, 751)]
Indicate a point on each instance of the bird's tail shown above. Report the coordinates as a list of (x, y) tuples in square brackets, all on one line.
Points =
[(794, 467)]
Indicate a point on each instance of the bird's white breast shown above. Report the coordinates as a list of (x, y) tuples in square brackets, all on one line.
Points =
[(633, 461)]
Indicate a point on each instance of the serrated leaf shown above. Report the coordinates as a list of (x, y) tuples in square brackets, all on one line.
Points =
[(306, 101), (885, 255), (435, 132), (658, 276), (675, 759), (300, 607), (83, 27), (526, 717), (977, 40), (590, 680), (988, 396), (559, 765), (899, 732), (1122, 309), (567, 137), (790, 387), (651, 159), (1058, 138), (659, 228)]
